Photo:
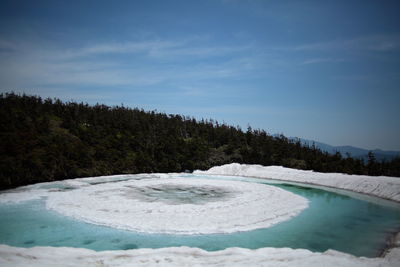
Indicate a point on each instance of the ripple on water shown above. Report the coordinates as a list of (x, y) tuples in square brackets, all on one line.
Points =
[(129, 246), (88, 242)]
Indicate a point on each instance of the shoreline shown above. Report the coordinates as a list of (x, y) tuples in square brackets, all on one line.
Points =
[(392, 242), (188, 256), (382, 187), (313, 185), (393, 239), (339, 183)]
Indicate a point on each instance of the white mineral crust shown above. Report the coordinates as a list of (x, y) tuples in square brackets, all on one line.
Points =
[(379, 186), (184, 256), (141, 205)]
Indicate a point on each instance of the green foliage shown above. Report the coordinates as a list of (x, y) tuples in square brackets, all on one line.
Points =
[(47, 140)]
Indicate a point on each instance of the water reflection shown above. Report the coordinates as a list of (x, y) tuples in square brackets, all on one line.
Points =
[(309, 192)]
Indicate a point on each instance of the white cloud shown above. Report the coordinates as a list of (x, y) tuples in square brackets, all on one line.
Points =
[(323, 60), (7, 45), (118, 48), (181, 62), (370, 42), (139, 64)]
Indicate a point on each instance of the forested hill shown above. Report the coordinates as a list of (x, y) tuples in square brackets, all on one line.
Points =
[(46, 140)]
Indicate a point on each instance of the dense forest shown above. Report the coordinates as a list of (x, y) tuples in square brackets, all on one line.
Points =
[(46, 140)]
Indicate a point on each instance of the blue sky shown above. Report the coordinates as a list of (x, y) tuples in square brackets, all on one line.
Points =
[(322, 70)]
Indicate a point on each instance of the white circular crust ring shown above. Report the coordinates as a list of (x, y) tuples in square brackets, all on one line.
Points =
[(179, 205)]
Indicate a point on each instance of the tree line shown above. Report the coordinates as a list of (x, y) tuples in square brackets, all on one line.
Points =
[(47, 140)]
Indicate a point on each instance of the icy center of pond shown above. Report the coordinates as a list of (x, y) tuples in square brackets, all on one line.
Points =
[(179, 206), (178, 194)]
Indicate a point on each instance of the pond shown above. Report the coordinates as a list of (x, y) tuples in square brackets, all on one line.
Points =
[(331, 221)]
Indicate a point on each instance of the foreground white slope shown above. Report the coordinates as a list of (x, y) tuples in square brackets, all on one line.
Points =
[(380, 186), (184, 256)]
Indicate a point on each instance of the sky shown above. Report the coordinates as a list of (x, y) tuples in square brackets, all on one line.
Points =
[(322, 70)]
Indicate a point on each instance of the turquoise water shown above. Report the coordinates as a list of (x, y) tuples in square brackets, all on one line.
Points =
[(332, 221)]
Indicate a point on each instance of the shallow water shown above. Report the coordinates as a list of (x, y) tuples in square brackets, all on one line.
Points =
[(332, 221)]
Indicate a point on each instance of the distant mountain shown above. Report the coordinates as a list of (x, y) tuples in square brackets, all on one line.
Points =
[(354, 152)]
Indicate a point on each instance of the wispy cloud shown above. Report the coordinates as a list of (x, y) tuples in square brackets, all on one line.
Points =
[(199, 51), (182, 63), (385, 42), (323, 60), (7, 45), (137, 64), (119, 48), (186, 47)]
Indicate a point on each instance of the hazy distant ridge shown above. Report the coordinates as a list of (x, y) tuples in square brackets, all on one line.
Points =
[(354, 152)]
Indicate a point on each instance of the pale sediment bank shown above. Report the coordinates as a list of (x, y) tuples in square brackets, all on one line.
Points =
[(185, 256), (378, 186)]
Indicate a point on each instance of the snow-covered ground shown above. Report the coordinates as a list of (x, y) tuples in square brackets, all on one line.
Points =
[(179, 205), (379, 186), (184, 256)]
